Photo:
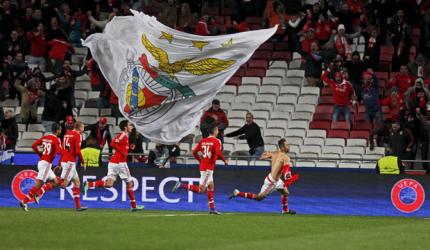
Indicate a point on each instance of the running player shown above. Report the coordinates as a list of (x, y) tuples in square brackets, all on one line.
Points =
[(280, 167), (210, 149), (51, 146), (118, 165), (71, 150)]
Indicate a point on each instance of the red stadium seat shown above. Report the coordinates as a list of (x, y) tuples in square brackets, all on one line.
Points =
[(262, 54), (327, 100), (281, 55), (340, 125), (256, 72), (387, 49), (361, 109), (359, 117), (266, 46), (328, 109), (235, 80), (260, 63), (240, 72), (337, 134), (359, 134), (326, 91), (321, 117), (319, 125), (362, 126), (385, 61)]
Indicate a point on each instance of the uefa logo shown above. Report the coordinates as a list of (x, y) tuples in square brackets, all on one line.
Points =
[(22, 183), (407, 195)]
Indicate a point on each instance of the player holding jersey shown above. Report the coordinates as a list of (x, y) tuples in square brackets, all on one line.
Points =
[(51, 146), (280, 167), (210, 149), (118, 165)]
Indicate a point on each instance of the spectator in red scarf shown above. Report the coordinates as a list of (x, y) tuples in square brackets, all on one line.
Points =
[(394, 102), (341, 42), (403, 80), (417, 96), (343, 94), (100, 131)]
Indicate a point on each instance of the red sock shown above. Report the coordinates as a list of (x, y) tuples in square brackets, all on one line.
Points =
[(30, 195), (284, 202), (76, 192), (131, 196), (99, 183), (45, 188), (190, 187), (247, 195), (210, 194)]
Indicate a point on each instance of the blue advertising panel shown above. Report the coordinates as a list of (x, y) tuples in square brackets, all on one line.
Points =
[(316, 192)]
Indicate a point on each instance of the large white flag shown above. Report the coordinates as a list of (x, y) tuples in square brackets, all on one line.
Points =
[(165, 78)]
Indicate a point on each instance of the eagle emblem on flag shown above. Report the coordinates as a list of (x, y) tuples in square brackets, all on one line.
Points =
[(151, 91)]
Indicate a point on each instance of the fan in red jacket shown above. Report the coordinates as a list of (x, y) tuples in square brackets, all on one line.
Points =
[(394, 102), (218, 115), (403, 80), (343, 93)]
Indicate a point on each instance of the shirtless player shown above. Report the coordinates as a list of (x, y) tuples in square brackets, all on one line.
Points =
[(280, 167)]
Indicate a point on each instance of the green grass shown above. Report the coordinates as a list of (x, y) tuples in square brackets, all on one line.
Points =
[(120, 229)]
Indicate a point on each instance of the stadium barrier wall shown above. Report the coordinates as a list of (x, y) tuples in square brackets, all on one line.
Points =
[(326, 191)]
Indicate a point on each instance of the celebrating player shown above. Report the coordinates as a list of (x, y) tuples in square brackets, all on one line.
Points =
[(280, 167), (118, 165), (210, 148), (71, 150), (51, 145)]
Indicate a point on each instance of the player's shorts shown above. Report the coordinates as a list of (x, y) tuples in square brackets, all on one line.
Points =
[(44, 171), (69, 171), (121, 169), (206, 177), (271, 185)]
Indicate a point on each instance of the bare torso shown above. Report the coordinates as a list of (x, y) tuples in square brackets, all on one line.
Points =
[(279, 159)]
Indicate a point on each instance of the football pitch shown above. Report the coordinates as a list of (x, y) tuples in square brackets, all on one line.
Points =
[(121, 229)]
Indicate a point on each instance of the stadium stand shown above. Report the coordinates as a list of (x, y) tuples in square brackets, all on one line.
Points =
[(273, 84)]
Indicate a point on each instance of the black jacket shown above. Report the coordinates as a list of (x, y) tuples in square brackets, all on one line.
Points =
[(250, 132), (10, 128), (52, 108)]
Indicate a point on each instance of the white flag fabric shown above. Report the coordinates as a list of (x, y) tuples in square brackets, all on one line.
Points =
[(164, 78)]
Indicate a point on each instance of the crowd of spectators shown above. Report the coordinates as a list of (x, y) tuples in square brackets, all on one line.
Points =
[(43, 35)]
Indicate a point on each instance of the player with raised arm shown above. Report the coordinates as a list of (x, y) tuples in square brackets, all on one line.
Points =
[(210, 149), (51, 146), (118, 165), (280, 167)]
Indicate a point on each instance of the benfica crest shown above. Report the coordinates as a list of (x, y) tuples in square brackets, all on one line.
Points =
[(150, 92)]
